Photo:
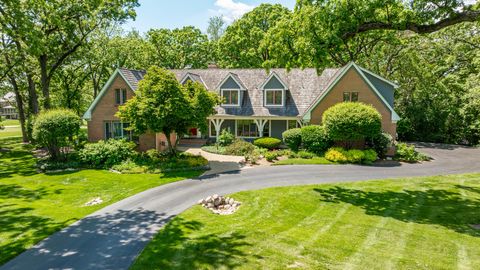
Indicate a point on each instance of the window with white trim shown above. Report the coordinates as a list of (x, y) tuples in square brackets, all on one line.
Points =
[(273, 97), (120, 96), (231, 97), (117, 130)]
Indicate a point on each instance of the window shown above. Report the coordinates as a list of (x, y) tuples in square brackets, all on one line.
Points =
[(117, 130), (246, 128), (292, 124), (274, 97), (231, 97), (350, 96), (120, 96)]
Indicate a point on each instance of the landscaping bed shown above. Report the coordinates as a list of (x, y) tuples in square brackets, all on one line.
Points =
[(412, 223)]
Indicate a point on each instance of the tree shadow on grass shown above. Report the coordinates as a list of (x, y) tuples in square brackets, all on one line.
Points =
[(432, 206), (14, 191), (20, 162), (174, 247)]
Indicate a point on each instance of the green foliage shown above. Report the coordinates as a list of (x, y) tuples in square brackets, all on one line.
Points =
[(226, 137), (381, 143), (55, 129), (252, 157), (336, 154), (471, 114), (351, 121), (273, 155), (104, 154), (267, 142), (293, 138), (179, 48), (370, 156), (315, 139), (163, 105), (239, 147), (215, 149), (305, 155), (340, 155), (408, 153), (240, 46), (216, 27)]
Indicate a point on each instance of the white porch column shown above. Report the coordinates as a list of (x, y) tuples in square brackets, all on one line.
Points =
[(260, 125), (300, 123), (217, 123)]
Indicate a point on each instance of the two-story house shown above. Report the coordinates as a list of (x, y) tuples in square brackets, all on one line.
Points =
[(256, 103)]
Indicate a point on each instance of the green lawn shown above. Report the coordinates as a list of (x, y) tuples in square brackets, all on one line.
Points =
[(10, 122), (33, 205), (11, 131), (415, 223), (303, 161)]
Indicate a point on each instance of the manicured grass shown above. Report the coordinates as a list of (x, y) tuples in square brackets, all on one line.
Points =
[(303, 161), (416, 223), (33, 206), (10, 122), (12, 131)]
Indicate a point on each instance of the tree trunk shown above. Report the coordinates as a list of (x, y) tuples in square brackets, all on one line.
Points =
[(21, 112), (171, 148), (32, 95), (44, 81)]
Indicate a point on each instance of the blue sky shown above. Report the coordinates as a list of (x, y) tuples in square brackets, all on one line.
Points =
[(178, 13)]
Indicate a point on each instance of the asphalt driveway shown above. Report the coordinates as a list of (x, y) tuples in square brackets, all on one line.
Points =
[(111, 238)]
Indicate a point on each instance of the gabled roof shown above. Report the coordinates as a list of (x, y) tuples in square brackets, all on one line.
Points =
[(131, 77), (193, 77), (273, 74), (336, 78), (235, 78)]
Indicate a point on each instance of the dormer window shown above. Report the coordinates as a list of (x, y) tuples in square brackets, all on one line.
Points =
[(231, 89), (231, 97), (274, 97), (274, 91)]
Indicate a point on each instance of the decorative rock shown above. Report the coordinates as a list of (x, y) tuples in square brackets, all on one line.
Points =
[(95, 201), (220, 205)]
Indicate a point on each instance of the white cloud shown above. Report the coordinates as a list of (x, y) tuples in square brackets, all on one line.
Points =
[(230, 9)]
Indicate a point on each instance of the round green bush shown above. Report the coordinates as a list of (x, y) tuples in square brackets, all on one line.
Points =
[(315, 139), (355, 156), (369, 156), (55, 129), (267, 142), (239, 147), (293, 138), (381, 143), (351, 121)]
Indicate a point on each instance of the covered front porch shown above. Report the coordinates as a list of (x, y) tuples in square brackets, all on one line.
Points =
[(253, 127)]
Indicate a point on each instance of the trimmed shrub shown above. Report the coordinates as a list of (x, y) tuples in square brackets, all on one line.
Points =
[(225, 138), (336, 154), (352, 121), (293, 138), (315, 139), (370, 156), (381, 143), (55, 129), (355, 156), (267, 142), (305, 155), (239, 147), (107, 153), (271, 156)]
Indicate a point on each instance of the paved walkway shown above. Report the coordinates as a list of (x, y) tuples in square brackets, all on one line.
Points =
[(114, 236), (218, 163)]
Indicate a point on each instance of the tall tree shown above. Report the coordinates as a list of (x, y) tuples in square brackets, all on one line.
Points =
[(51, 31), (240, 46), (164, 105), (216, 27), (179, 48)]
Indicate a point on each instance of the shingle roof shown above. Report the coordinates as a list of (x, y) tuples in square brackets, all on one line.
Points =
[(304, 87)]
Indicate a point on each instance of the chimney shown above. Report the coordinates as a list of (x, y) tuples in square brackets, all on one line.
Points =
[(212, 66)]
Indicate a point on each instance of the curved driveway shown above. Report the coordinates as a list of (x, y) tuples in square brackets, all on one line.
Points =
[(112, 237)]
